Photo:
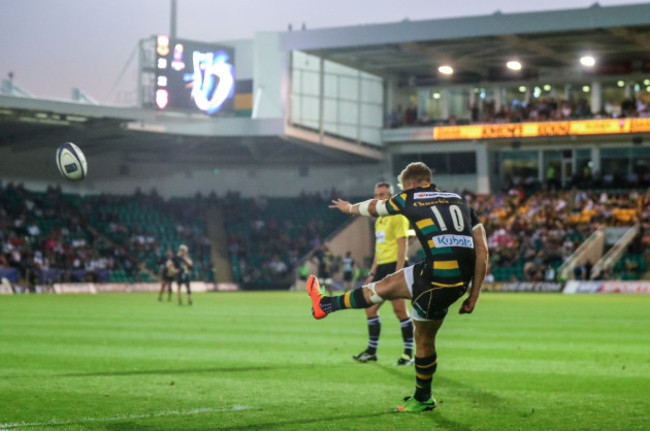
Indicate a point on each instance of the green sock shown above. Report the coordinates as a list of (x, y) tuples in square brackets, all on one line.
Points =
[(424, 369), (353, 299)]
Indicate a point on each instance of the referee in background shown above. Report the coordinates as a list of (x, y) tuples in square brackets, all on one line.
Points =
[(391, 242)]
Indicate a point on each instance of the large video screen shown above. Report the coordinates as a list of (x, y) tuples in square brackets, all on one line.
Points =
[(194, 76)]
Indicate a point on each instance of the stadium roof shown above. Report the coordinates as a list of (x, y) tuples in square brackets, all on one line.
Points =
[(478, 47), (29, 125)]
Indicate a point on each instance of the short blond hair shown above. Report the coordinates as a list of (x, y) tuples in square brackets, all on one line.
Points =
[(416, 172)]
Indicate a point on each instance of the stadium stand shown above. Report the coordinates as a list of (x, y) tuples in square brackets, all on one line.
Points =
[(268, 236), (531, 235), (51, 236), (542, 108)]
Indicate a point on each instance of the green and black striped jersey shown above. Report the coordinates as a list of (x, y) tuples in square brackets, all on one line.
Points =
[(444, 224)]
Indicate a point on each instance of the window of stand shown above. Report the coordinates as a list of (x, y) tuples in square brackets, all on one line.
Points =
[(457, 163)]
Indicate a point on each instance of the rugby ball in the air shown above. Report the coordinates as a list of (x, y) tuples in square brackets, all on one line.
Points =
[(71, 162)]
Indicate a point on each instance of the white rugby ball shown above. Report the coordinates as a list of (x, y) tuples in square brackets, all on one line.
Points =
[(71, 162)]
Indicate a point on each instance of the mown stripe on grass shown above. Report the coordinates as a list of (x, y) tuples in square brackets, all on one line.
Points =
[(56, 422)]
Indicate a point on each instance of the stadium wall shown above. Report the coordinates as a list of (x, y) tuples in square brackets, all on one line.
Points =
[(116, 175), (244, 58), (357, 238), (456, 182), (174, 180), (270, 77)]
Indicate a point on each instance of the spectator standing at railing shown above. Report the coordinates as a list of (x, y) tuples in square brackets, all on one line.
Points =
[(324, 260), (167, 275), (348, 271), (184, 265)]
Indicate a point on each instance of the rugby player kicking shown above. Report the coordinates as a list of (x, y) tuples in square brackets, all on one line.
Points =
[(455, 246)]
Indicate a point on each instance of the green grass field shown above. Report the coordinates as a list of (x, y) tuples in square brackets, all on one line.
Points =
[(255, 361)]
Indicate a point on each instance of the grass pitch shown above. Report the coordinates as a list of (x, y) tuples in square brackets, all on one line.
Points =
[(242, 361)]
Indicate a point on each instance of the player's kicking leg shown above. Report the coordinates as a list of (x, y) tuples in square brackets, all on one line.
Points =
[(392, 287)]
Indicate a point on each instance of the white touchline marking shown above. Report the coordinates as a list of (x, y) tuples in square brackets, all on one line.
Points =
[(4, 427)]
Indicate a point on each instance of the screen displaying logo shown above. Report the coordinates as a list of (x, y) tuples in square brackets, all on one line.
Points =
[(213, 80), (195, 76)]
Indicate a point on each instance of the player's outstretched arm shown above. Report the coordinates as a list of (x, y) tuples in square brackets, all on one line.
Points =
[(369, 208), (343, 206), (480, 269)]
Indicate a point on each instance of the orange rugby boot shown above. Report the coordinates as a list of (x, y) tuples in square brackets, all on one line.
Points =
[(315, 293)]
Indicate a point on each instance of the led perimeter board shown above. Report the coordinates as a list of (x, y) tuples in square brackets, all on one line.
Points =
[(193, 76)]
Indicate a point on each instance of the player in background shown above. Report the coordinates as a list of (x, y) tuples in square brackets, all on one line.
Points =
[(455, 246), (183, 265), (324, 258), (167, 275), (391, 236), (348, 271)]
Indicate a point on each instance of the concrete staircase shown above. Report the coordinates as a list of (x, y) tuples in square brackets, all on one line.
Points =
[(219, 257)]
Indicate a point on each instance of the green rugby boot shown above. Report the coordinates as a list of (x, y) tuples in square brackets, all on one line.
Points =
[(412, 405)]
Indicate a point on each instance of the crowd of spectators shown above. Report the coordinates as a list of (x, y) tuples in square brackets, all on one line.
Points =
[(543, 108), (53, 237), (551, 109), (537, 232), (145, 239), (277, 233), (43, 231)]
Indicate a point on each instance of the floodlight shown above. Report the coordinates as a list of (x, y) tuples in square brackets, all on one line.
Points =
[(513, 65), (446, 69), (588, 61)]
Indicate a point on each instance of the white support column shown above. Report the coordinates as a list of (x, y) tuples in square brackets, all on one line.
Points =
[(445, 95), (359, 97), (482, 169), (498, 98), (337, 120), (596, 97), (388, 99), (423, 98), (595, 159), (574, 162), (321, 97), (288, 92)]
